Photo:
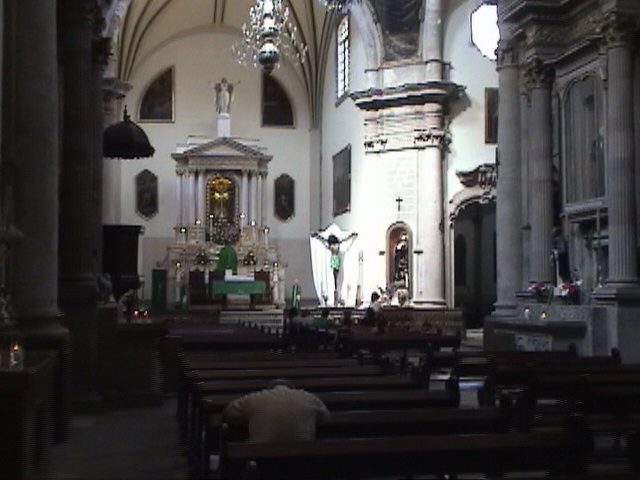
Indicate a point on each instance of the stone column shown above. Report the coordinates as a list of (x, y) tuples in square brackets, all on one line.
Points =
[(101, 49), (263, 202), (509, 184), (259, 202), (433, 39), (429, 284), (539, 79), (195, 200), (186, 199), (620, 178), (202, 193), (253, 198), (179, 175), (77, 216), (35, 149), (244, 198)]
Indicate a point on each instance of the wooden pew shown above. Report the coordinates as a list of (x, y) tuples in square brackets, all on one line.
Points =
[(377, 423), (256, 379), (492, 454), (211, 405), (265, 361), (357, 338), (314, 384), (520, 376)]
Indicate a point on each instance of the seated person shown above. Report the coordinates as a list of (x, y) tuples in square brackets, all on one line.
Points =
[(375, 304), (369, 319), (281, 412)]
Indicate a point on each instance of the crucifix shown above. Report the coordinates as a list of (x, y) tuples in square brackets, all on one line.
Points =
[(399, 200)]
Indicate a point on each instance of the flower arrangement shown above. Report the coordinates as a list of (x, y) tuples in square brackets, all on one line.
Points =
[(539, 290), (223, 232), (569, 291)]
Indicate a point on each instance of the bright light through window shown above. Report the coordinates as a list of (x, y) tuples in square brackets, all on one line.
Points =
[(484, 30)]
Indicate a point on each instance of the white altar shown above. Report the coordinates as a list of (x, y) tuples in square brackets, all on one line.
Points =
[(221, 189)]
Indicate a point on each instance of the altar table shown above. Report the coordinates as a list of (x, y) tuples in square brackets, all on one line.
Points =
[(252, 288)]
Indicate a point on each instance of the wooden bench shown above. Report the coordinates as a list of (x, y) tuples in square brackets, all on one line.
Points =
[(314, 384), (358, 338), (211, 405), (198, 383), (270, 361), (491, 454), (524, 375)]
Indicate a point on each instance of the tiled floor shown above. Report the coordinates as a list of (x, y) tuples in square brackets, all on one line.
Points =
[(127, 444)]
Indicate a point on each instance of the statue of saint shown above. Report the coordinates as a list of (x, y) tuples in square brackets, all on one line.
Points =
[(224, 95), (401, 262)]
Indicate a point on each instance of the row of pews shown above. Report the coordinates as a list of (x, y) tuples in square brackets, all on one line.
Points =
[(387, 418)]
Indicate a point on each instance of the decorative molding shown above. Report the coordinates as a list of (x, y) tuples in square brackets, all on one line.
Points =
[(507, 54), (538, 75), (483, 176), (617, 30), (480, 187)]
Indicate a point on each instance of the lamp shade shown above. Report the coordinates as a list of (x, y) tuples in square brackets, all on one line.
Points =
[(126, 139)]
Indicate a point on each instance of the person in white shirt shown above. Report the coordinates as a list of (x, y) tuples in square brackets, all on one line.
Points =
[(277, 413)]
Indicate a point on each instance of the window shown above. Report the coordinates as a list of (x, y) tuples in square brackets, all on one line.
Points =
[(276, 107), (484, 29), (157, 102), (342, 60)]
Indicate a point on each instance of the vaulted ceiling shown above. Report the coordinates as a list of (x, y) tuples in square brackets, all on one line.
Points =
[(145, 25)]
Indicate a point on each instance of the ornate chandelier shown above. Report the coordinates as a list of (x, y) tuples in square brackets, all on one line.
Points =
[(337, 6), (267, 35)]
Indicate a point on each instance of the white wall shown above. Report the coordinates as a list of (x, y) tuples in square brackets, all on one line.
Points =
[(377, 179), (198, 58), (371, 197), (474, 71)]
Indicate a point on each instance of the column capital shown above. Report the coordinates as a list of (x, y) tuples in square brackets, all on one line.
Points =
[(507, 54), (180, 171), (617, 30), (538, 75)]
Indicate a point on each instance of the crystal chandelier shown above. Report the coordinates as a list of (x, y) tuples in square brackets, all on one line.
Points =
[(267, 35), (336, 6)]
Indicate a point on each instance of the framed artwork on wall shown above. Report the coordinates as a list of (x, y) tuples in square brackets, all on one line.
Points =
[(284, 197), (490, 115), (157, 102), (342, 181), (146, 194)]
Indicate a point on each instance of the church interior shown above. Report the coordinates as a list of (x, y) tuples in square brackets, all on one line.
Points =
[(425, 212)]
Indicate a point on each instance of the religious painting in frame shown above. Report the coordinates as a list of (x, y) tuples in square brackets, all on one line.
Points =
[(490, 115), (157, 102), (342, 181), (146, 194), (284, 197)]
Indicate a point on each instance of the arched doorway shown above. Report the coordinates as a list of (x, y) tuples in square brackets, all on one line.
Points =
[(474, 261), (399, 253), (472, 215)]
